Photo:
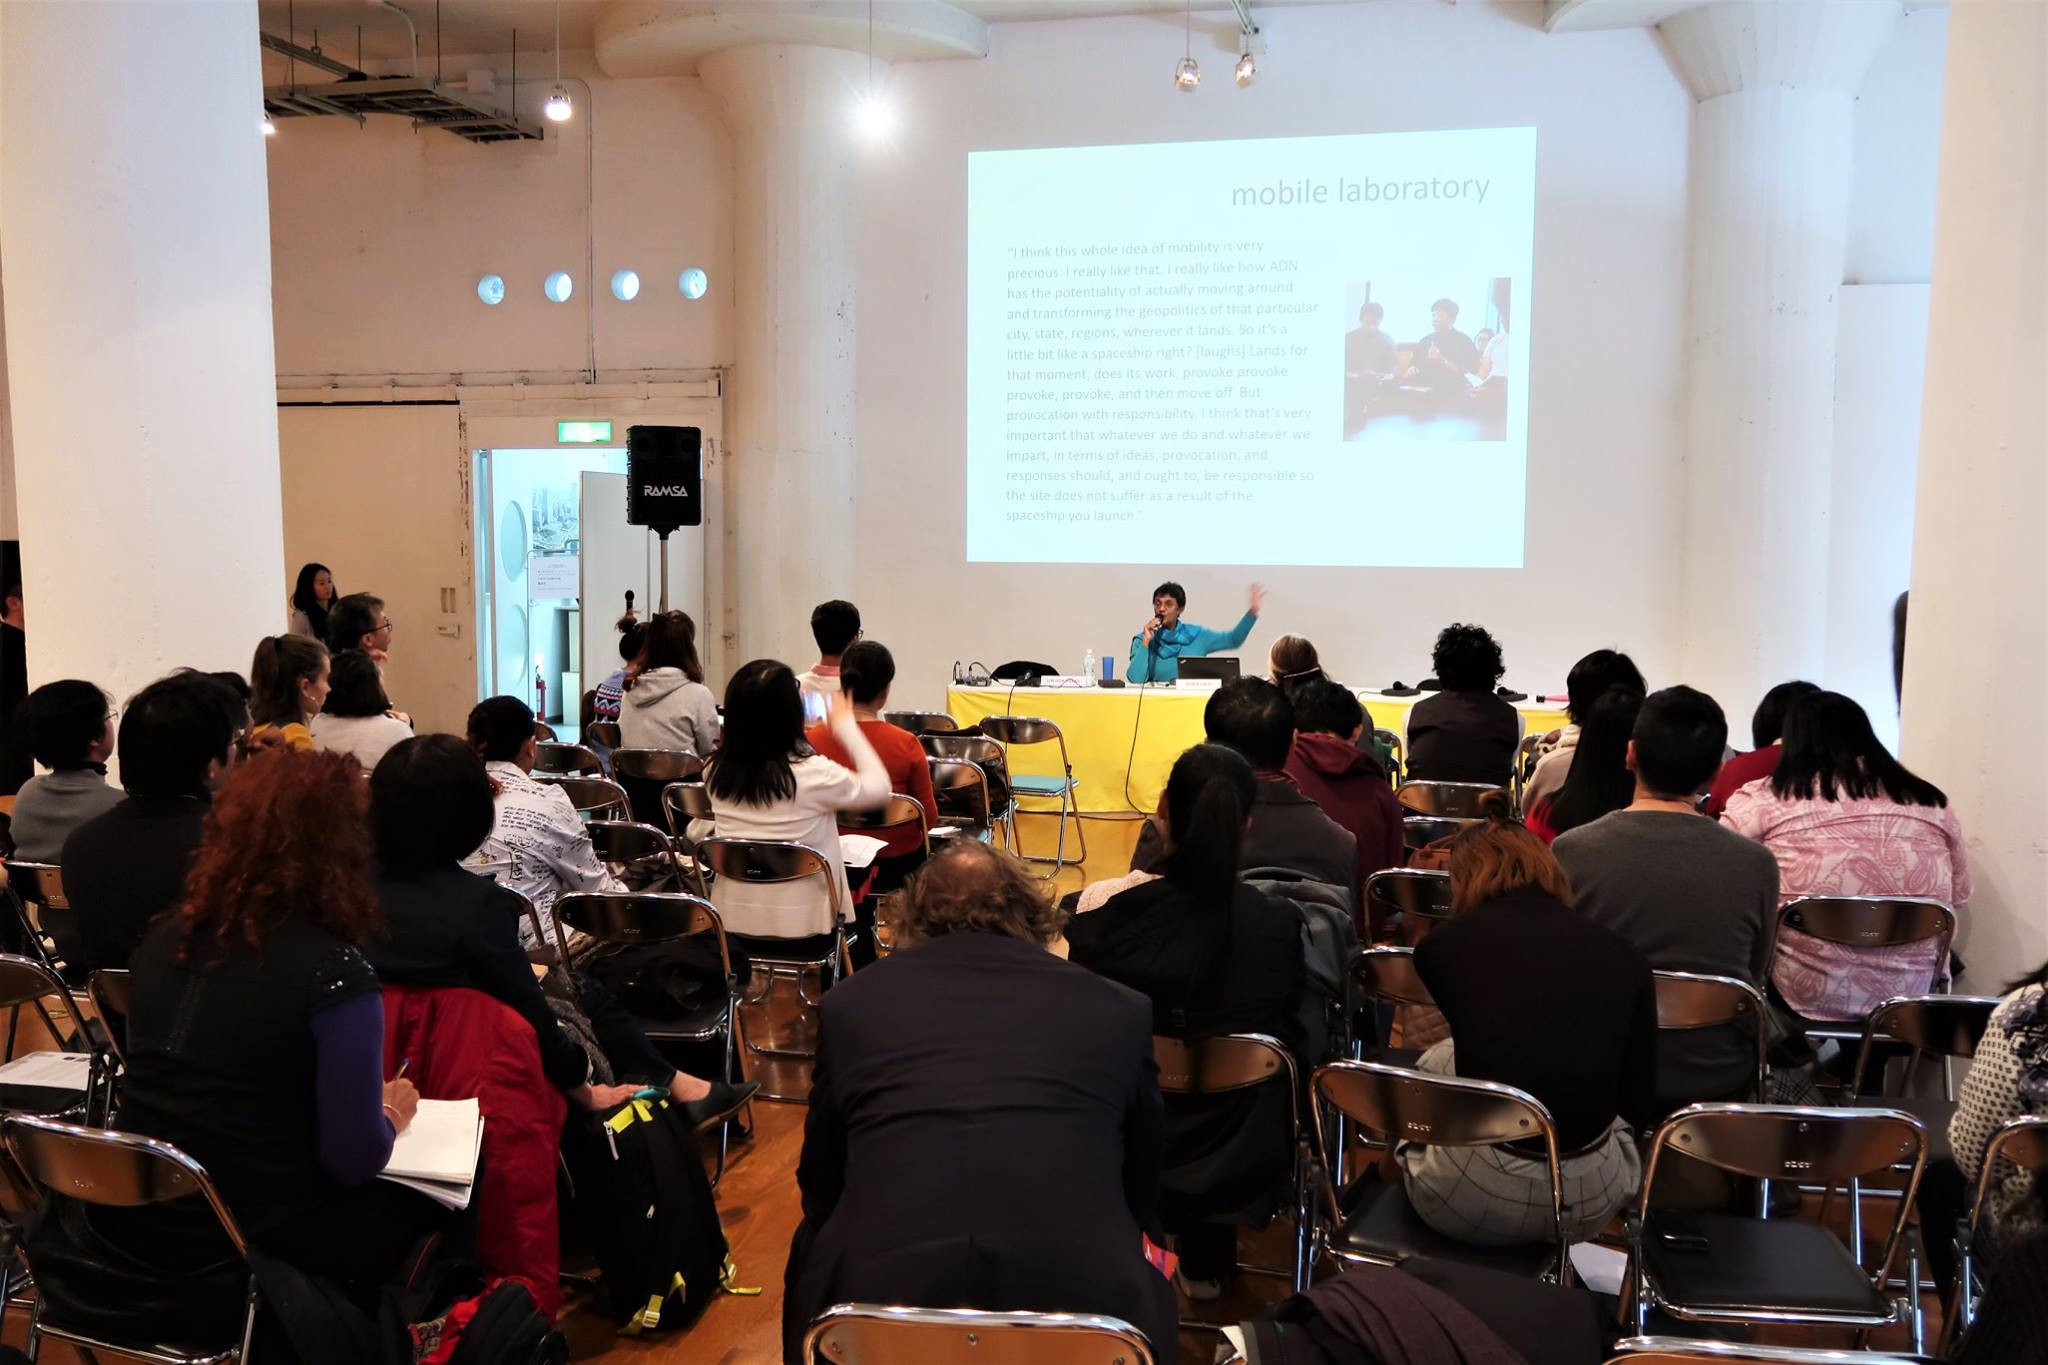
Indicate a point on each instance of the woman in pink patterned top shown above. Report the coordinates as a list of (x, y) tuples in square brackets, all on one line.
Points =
[(1845, 818)]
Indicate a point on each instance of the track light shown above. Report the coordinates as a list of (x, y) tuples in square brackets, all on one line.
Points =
[(1246, 69), (269, 128), (557, 108), (873, 117), (1187, 74)]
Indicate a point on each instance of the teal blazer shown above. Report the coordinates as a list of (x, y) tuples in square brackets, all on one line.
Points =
[(1161, 663)]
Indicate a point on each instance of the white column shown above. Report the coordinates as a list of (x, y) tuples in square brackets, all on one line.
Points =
[(1771, 152), (1976, 660), (134, 226), (790, 404)]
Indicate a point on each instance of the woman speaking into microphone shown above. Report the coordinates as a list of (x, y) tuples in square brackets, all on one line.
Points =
[(1156, 650)]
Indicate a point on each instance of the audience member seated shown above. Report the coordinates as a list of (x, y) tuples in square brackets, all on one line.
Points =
[(312, 599), (1766, 729), (1844, 818), (1464, 733), (1690, 894), (357, 718), (766, 783), (2007, 1079), (1293, 662), (256, 1035), (866, 671), (431, 805), (70, 730), (358, 621), (1513, 952), (667, 705), (1287, 830), (611, 692), (1008, 1159), (16, 767), (179, 739), (834, 625), (1214, 956), (288, 685), (1345, 780), (536, 829), (1590, 679), (1599, 781)]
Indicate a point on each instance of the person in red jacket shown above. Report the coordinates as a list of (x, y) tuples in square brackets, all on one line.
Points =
[(1767, 728), (1345, 780)]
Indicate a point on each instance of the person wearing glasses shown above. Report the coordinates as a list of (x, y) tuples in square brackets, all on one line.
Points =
[(179, 739), (359, 621), (70, 731)]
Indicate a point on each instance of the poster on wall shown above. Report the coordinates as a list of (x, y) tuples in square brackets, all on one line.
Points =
[(554, 576)]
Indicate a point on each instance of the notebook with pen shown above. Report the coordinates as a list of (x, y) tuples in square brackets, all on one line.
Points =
[(437, 1153)]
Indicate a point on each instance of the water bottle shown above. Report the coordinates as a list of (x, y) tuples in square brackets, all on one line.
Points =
[(1088, 666)]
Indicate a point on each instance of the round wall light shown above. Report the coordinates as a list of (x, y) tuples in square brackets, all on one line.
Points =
[(558, 286), (625, 285), (491, 289), (693, 282)]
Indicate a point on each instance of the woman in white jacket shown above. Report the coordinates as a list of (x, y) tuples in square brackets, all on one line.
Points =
[(767, 783), (666, 704)]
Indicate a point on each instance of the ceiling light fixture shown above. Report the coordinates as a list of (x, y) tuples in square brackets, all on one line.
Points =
[(1246, 68), (269, 128), (1186, 73), (873, 119), (557, 108)]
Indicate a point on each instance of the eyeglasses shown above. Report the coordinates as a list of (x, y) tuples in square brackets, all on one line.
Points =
[(385, 629)]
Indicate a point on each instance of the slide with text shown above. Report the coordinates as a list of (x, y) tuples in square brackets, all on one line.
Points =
[(1305, 351)]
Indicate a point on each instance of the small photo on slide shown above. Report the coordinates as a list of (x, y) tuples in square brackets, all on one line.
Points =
[(1427, 359)]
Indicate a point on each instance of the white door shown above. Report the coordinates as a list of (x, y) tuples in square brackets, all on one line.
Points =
[(618, 558)]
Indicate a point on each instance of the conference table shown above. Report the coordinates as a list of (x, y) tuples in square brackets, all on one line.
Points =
[(1122, 741)]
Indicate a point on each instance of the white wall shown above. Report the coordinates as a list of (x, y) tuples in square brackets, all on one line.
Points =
[(1607, 378), (1898, 143), (378, 235)]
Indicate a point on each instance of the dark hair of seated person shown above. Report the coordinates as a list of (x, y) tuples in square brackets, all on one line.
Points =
[(631, 636), (355, 687), (1832, 754), (282, 663), (669, 641), (970, 888), (1679, 738), (431, 804), (286, 836), (1598, 782), (1593, 675), (1497, 857), (351, 618), (1294, 663), (1208, 798), (1467, 659), (172, 729), (63, 720), (499, 727), (234, 682), (1327, 708), (1253, 717), (866, 670), (834, 626), (1767, 723), (762, 735)]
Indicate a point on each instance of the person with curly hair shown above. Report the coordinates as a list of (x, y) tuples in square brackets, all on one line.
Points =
[(1465, 733), (256, 1035), (920, 1140)]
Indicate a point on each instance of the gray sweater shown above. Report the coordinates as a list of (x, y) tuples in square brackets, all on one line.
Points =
[(1692, 895), (49, 807)]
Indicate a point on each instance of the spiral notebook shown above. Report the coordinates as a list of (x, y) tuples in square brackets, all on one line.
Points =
[(437, 1153)]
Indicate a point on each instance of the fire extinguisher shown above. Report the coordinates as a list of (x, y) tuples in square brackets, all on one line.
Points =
[(540, 688)]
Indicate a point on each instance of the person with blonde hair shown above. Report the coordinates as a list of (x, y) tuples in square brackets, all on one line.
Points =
[(1292, 662), (288, 686), (1540, 998)]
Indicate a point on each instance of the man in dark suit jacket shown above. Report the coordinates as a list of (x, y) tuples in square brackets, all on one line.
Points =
[(985, 1124), (1288, 829)]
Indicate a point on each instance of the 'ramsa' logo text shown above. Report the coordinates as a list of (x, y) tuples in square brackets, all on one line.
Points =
[(663, 490)]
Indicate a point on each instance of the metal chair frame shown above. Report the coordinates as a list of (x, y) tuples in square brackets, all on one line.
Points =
[(1526, 758), (682, 802), (1418, 897), (25, 981), (553, 759), (1380, 973), (1690, 1000), (876, 1334), (1868, 922), (592, 795), (2021, 1142), (1395, 746), (605, 732), (899, 812), (1012, 731), (551, 942), (1401, 1104), (101, 1166), (109, 990), (1699, 1351), (923, 722), (1781, 1142), (959, 774), (1444, 800), (652, 770), (756, 862), (1419, 831), (1947, 1026), (632, 847), (638, 919), (544, 732), (40, 885), (1240, 1061)]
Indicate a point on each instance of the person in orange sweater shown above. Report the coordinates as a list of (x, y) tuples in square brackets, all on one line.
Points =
[(866, 670)]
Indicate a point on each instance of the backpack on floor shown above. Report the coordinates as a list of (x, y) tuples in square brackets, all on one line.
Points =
[(641, 1200), (443, 1310), (501, 1326)]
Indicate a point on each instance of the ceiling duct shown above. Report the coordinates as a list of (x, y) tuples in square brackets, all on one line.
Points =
[(426, 102)]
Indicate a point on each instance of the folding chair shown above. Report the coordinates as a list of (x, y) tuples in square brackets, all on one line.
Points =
[(1725, 1268), (641, 857), (595, 798), (118, 1170), (1692, 1351), (1420, 831), (899, 814), (1869, 922), (1693, 1000), (551, 759), (605, 732), (960, 788), (41, 886), (1446, 800), (639, 919), (1524, 769), (764, 862), (544, 732), (25, 981), (1412, 899), (1392, 739), (922, 722), (872, 1334), (1376, 1225), (644, 773), (108, 989), (682, 802), (2021, 1144), (1011, 731), (971, 746), (1241, 1061), (1382, 974), (550, 949)]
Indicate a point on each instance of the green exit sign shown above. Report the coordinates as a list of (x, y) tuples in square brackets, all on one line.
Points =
[(582, 433)]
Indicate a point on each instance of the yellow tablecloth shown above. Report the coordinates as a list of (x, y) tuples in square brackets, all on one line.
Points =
[(1122, 741)]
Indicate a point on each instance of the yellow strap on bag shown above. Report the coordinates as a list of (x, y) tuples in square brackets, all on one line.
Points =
[(728, 1274)]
